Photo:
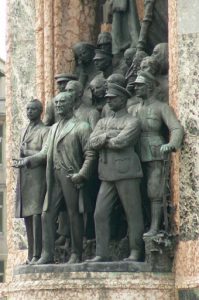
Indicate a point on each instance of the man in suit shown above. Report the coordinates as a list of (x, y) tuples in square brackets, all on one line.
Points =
[(155, 116), (31, 187), (120, 172), (69, 163), (50, 118)]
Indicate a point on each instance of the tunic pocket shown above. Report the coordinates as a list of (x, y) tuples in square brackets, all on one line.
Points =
[(122, 165)]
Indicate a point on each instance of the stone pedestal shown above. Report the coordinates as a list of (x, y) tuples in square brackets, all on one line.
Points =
[(55, 282)]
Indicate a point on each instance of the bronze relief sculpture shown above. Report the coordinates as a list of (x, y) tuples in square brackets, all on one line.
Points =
[(114, 114)]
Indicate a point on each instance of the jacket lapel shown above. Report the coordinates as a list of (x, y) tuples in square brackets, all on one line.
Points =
[(27, 138), (67, 128)]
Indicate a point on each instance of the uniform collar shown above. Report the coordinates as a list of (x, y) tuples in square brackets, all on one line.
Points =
[(120, 113)]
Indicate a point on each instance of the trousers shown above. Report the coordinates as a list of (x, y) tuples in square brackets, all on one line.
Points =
[(63, 188), (128, 191)]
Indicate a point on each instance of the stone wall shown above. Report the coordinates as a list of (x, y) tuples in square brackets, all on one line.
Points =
[(59, 25), (184, 85)]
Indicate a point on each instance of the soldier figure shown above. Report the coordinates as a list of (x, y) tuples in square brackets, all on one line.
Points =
[(120, 172), (85, 69), (104, 41), (98, 91), (31, 188), (103, 62), (50, 116), (154, 116)]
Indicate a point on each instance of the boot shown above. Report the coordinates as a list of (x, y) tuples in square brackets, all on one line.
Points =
[(156, 217)]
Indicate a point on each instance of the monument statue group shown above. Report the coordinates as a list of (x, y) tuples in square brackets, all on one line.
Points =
[(96, 168)]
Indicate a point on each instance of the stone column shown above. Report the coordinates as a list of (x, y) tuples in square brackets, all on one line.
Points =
[(184, 86), (59, 25)]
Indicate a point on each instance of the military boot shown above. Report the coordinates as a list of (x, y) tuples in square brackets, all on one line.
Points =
[(156, 218)]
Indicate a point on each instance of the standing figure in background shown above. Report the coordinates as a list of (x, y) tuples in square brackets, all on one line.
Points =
[(82, 111), (103, 62), (90, 115), (50, 116), (125, 24), (132, 72), (104, 42), (155, 117), (154, 28), (98, 90), (31, 187), (160, 53), (85, 69)]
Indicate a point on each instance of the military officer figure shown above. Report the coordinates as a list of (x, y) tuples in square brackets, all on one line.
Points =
[(154, 116), (31, 187), (120, 172)]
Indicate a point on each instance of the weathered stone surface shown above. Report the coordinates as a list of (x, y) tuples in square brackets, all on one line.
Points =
[(189, 116), (189, 295), (59, 25), (186, 264), (99, 286), (183, 83), (188, 21)]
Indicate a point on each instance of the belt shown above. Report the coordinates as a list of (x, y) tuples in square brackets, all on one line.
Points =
[(150, 133)]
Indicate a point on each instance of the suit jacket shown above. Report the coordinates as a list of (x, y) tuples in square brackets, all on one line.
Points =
[(157, 118), (31, 183), (117, 158), (72, 149)]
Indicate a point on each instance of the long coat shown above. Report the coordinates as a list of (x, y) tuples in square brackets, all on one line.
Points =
[(125, 26), (31, 184), (71, 146)]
